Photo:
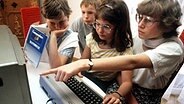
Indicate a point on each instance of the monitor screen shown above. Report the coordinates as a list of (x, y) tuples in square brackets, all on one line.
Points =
[(14, 86), (35, 44)]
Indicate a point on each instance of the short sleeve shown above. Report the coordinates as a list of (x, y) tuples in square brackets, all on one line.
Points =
[(89, 40), (68, 52), (166, 56)]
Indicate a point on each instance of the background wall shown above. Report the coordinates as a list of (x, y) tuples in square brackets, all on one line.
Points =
[(75, 6)]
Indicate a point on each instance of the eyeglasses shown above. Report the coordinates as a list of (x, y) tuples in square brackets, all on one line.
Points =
[(105, 27), (148, 21)]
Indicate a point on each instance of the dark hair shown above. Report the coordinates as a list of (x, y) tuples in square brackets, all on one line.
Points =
[(168, 12), (116, 12), (54, 9)]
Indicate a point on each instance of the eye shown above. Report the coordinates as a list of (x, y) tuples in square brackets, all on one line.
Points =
[(140, 17), (52, 23), (97, 24), (61, 23), (83, 12), (90, 12), (106, 27), (148, 19)]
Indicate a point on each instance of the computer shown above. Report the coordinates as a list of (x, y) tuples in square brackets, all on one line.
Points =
[(35, 43), (14, 85), (75, 91)]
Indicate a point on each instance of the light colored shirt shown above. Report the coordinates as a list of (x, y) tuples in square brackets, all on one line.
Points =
[(165, 55), (97, 52)]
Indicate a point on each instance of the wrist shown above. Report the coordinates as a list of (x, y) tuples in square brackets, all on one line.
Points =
[(120, 96), (87, 65), (90, 63), (83, 64)]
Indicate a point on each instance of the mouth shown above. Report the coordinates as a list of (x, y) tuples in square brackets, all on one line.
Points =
[(88, 22), (140, 32)]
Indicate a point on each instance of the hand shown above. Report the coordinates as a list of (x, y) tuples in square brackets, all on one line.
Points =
[(80, 75), (63, 73), (112, 99), (58, 32)]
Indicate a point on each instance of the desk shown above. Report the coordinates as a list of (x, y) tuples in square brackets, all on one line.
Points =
[(37, 94), (175, 92)]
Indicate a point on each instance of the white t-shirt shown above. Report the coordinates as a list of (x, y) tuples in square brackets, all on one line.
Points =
[(165, 58)]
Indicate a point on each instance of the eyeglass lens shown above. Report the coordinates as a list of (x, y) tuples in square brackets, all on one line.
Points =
[(148, 21), (105, 27)]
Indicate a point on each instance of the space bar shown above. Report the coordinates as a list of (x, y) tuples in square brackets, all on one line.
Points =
[(92, 85)]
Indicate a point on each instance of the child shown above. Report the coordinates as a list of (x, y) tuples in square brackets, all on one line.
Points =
[(83, 25), (158, 55), (110, 37), (62, 41)]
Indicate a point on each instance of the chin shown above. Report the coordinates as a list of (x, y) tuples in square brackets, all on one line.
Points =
[(141, 37), (88, 23)]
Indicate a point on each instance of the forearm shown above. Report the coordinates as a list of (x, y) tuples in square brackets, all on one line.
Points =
[(54, 58), (114, 63), (120, 63), (125, 88)]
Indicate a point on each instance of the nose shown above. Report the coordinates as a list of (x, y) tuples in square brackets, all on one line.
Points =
[(57, 26), (141, 22), (100, 29), (85, 15)]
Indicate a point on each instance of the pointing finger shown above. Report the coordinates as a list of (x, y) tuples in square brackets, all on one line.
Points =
[(51, 71)]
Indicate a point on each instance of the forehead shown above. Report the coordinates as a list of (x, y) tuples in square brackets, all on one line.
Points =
[(102, 21), (88, 7), (61, 19)]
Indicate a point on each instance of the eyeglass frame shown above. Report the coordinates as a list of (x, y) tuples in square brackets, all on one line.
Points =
[(146, 19), (105, 27)]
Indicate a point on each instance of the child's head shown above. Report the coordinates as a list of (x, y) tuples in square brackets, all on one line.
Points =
[(88, 9), (56, 13), (166, 12), (112, 18)]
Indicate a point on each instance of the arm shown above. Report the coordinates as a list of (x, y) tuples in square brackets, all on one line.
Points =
[(86, 53), (55, 58), (125, 81), (127, 62)]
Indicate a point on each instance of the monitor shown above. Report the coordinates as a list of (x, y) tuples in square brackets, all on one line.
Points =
[(34, 46), (14, 85)]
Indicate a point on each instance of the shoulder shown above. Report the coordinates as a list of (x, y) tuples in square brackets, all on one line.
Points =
[(128, 51), (77, 21), (71, 33), (77, 24), (172, 45), (170, 51), (89, 36), (89, 39)]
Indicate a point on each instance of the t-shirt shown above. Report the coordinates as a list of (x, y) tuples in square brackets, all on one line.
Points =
[(82, 29), (165, 55), (97, 52)]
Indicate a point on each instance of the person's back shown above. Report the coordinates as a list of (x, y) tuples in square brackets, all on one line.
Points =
[(83, 25)]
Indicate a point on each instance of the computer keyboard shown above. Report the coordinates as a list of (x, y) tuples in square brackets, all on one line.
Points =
[(87, 93), (75, 91)]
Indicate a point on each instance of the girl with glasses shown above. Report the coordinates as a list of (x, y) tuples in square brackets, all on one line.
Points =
[(158, 53), (110, 37)]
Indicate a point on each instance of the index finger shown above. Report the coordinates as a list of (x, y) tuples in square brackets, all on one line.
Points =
[(52, 71)]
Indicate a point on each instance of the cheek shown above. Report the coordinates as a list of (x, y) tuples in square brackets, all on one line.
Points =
[(156, 30), (50, 26), (66, 24)]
